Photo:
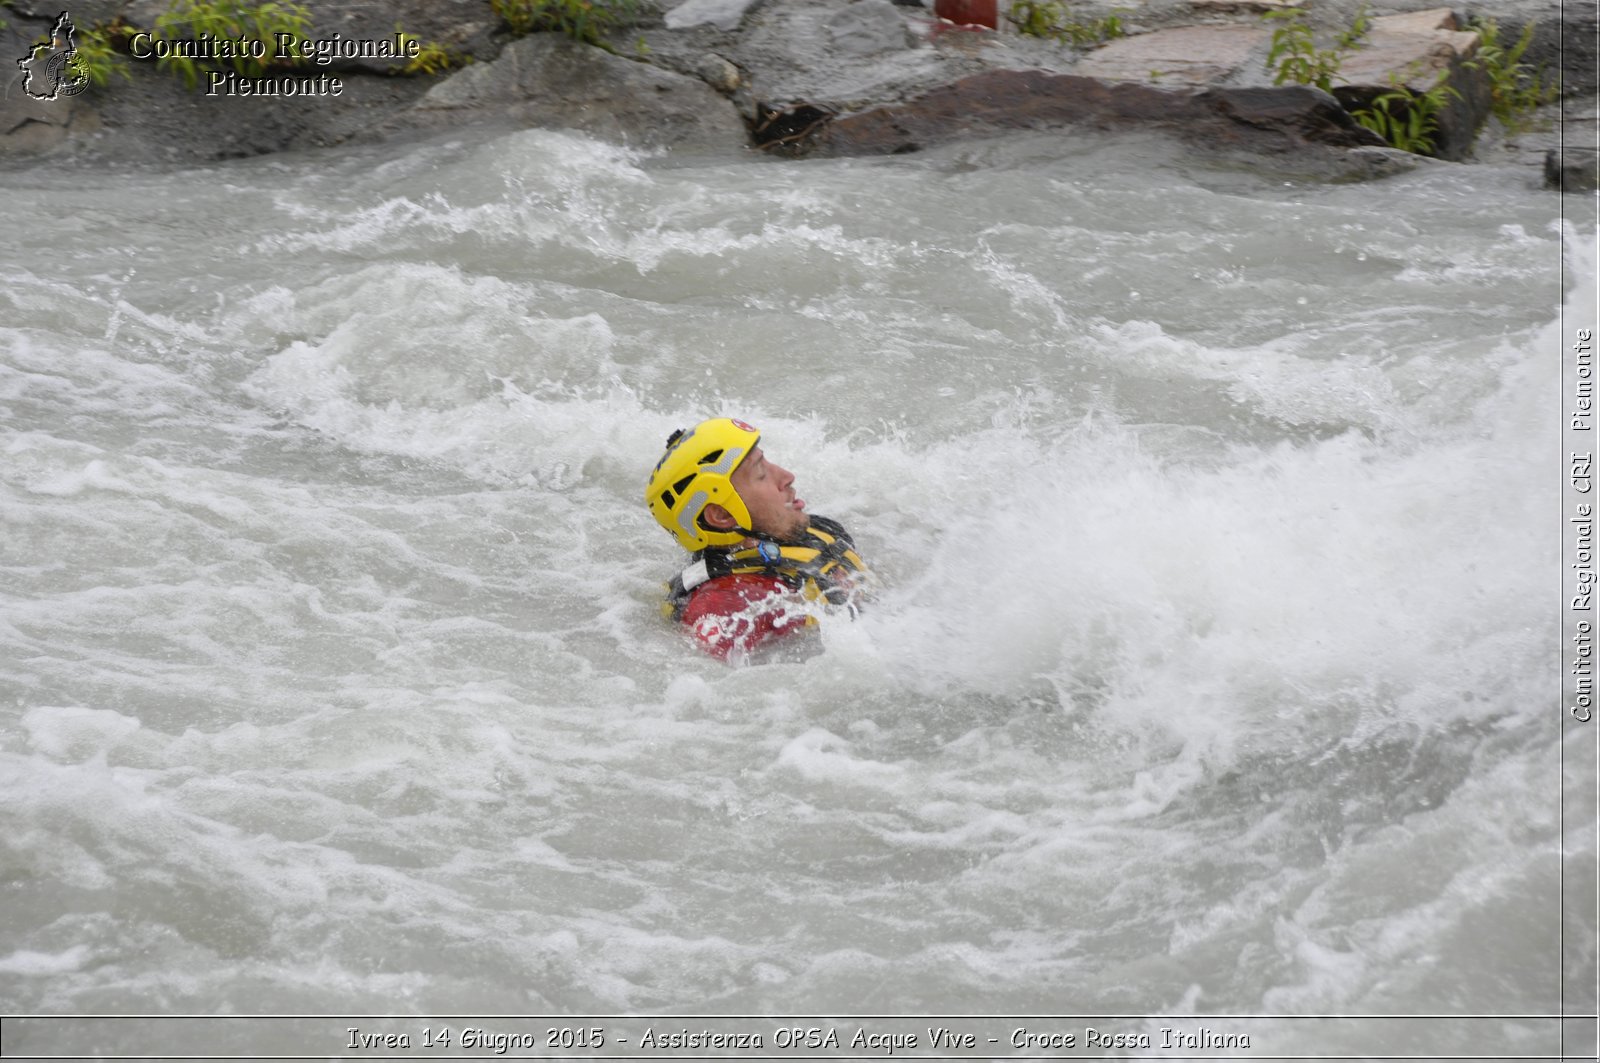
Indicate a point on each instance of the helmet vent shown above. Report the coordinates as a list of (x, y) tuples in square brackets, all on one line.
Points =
[(666, 499), (682, 485), (711, 458)]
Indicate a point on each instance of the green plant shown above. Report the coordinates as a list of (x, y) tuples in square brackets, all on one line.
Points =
[(1108, 28), (94, 55), (431, 58), (257, 26), (589, 21), (1407, 120), (1350, 37), (1054, 21), (97, 56), (1514, 86), (1294, 55)]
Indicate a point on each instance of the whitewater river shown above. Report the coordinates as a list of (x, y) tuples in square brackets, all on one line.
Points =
[(1212, 669)]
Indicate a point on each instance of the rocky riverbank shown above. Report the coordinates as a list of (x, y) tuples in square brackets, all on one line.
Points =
[(831, 77)]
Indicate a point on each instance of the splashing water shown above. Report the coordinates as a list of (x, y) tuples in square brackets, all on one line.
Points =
[(1207, 672)]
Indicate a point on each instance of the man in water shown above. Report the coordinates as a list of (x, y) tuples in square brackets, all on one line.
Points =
[(757, 557)]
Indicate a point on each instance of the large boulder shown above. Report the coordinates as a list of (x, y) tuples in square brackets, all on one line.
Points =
[(1419, 51), (840, 76), (723, 14), (1195, 55), (550, 81), (33, 127), (146, 114), (1415, 51), (1572, 170), (1565, 44), (1249, 119)]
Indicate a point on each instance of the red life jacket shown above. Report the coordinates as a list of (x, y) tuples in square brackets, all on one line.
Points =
[(739, 600)]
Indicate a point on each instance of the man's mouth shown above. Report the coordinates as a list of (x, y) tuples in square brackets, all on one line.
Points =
[(797, 504)]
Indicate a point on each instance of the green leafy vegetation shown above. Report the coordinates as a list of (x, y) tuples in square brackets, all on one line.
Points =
[(431, 58), (1407, 120), (589, 21), (229, 19), (1054, 21), (97, 56), (1515, 88), (1350, 37), (1294, 55), (101, 49)]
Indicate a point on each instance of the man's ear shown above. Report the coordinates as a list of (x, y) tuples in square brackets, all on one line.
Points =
[(717, 517)]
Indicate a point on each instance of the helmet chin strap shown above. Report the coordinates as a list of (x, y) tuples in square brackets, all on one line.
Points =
[(759, 536), (737, 528)]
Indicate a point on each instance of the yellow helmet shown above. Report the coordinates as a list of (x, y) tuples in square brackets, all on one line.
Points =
[(697, 470)]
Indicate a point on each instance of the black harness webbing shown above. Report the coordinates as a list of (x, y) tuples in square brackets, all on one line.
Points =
[(823, 554)]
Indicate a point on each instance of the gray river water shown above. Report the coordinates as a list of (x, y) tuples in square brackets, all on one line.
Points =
[(1210, 671)]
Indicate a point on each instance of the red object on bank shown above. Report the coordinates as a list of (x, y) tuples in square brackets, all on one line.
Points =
[(969, 12)]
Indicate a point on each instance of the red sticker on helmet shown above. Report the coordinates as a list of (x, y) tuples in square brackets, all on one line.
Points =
[(740, 424)]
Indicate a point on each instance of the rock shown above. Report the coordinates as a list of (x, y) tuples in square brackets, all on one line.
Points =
[(718, 73), (32, 127), (1415, 50), (1566, 39), (143, 13), (1195, 55), (846, 76), (1371, 163), (85, 14), (153, 118), (1572, 170), (465, 27), (550, 81), (37, 112), (1282, 118), (1254, 119), (818, 52), (1418, 51), (1234, 7), (868, 27), (723, 14)]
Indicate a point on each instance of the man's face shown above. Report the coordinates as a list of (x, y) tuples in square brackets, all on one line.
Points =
[(768, 491)]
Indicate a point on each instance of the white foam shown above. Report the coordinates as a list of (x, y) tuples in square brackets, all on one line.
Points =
[(44, 964), (1197, 671), (820, 756)]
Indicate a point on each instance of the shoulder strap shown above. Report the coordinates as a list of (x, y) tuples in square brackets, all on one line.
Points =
[(826, 547)]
